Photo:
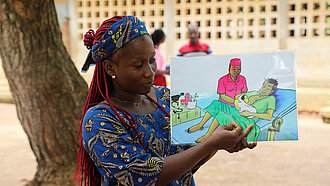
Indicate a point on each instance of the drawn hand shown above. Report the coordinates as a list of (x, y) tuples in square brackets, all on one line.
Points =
[(245, 113)]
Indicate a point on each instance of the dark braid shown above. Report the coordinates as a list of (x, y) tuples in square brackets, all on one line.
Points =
[(86, 173)]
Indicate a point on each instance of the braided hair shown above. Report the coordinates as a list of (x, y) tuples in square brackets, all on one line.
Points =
[(86, 172)]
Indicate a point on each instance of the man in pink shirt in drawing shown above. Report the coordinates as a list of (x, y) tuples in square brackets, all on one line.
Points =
[(231, 84)]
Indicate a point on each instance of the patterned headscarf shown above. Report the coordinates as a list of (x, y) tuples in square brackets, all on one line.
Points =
[(119, 34)]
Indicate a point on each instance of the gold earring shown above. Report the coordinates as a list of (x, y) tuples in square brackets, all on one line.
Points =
[(113, 77)]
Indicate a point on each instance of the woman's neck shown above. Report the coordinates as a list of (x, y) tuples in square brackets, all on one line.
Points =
[(124, 96), (134, 103)]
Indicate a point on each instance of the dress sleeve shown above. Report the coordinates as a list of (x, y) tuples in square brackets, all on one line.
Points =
[(117, 154)]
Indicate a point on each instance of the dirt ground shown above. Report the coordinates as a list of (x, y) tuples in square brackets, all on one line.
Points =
[(302, 162)]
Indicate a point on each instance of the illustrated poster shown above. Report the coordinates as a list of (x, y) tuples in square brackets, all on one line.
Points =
[(210, 91)]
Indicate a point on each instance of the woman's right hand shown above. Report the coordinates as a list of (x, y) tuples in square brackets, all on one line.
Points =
[(230, 137)]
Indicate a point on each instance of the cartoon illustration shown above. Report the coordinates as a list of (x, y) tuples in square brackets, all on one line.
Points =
[(224, 113), (232, 84), (243, 103), (184, 108), (269, 102)]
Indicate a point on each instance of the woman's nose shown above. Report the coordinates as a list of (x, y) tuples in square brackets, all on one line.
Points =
[(149, 71)]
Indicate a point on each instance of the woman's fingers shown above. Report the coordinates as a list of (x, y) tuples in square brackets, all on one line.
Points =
[(252, 145), (238, 137), (238, 129), (239, 146), (228, 127), (245, 132), (244, 143)]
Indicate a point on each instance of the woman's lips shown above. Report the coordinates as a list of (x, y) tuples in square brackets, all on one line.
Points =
[(149, 83)]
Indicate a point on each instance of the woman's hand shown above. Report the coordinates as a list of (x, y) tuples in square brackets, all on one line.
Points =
[(225, 137), (167, 71), (243, 143), (230, 137)]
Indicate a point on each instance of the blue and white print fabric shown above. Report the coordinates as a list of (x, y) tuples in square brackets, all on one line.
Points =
[(116, 149)]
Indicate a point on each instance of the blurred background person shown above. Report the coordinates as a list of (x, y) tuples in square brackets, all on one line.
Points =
[(194, 47), (158, 37)]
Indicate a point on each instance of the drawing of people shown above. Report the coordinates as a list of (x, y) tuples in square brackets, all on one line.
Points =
[(231, 84), (224, 113)]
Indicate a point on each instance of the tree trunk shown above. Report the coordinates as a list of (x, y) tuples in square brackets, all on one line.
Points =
[(46, 87)]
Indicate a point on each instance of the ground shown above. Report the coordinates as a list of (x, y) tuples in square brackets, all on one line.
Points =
[(302, 162)]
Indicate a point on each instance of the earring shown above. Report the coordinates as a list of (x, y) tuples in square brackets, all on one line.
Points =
[(113, 77)]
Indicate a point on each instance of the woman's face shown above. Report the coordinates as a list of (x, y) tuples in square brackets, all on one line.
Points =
[(135, 66), (235, 70), (163, 40)]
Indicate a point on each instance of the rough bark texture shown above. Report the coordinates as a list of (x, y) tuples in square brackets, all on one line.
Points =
[(46, 87)]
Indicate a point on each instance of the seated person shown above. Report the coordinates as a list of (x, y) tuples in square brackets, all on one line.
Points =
[(232, 83), (225, 113)]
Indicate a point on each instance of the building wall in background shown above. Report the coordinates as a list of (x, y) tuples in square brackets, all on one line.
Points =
[(228, 26), (62, 10)]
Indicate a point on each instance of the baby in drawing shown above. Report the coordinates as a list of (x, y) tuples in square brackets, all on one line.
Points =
[(242, 103)]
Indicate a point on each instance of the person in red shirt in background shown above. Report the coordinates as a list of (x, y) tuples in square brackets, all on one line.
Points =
[(194, 47), (158, 37)]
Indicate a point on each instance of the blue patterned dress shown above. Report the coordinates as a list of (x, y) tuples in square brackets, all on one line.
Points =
[(117, 151)]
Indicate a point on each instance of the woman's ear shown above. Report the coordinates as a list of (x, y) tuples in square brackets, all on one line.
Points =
[(109, 67)]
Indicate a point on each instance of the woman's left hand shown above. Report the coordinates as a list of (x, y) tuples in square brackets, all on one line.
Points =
[(242, 144)]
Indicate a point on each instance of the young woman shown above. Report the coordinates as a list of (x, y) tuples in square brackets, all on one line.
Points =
[(158, 37), (125, 134)]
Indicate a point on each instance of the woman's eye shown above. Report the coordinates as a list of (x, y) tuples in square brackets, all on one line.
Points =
[(139, 65)]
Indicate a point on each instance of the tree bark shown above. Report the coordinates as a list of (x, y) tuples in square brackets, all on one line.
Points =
[(47, 89)]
